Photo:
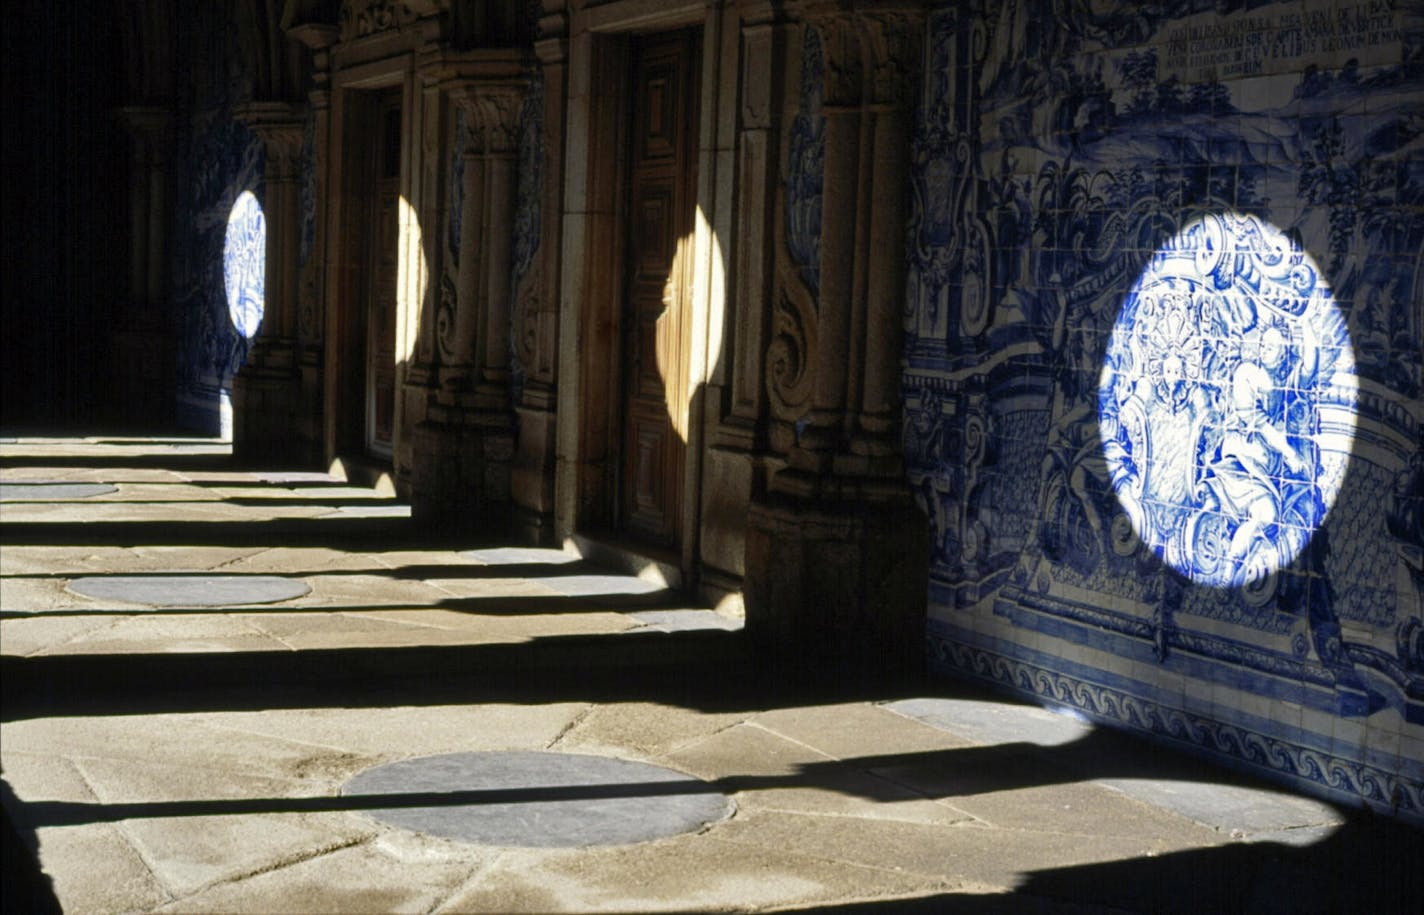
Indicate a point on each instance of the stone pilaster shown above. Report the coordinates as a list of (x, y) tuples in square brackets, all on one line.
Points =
[(837, 551), (267, 392), (311, 303), (536, 312), (464, 447)]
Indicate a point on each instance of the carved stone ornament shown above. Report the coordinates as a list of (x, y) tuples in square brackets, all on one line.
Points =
[(793, 345), (360, 18), (309, 315), (492, 113), (891, 45), (842, 77), (526, 324), (445, 322), (281, 127)]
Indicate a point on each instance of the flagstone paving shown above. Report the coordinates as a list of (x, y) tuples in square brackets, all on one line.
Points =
[(212, 752)]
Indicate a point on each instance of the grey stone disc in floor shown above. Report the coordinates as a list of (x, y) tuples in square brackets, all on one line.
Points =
[(190, 590), (10, 492), (536, 799)]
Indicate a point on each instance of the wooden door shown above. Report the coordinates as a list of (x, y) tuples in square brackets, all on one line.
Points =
[(662, 183), (382, 254)]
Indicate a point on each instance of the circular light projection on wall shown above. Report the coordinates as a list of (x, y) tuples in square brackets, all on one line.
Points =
[(244, 263), (1227, 402)]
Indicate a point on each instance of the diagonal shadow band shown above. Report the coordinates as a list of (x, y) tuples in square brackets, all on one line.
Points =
[(519, 605), (421, 572), (354, 533), (883, 778)]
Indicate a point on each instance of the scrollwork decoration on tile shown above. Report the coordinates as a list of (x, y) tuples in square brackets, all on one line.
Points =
[(528, 223)]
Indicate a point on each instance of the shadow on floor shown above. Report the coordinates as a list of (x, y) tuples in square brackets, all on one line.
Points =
[(1367, 865), (24, 888)]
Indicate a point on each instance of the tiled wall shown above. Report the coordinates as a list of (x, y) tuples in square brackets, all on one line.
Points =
[(216, 159), (1167, 265)]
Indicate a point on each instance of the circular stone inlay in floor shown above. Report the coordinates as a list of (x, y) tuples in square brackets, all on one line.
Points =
[(536, 799), (10, 492), (190, 590)]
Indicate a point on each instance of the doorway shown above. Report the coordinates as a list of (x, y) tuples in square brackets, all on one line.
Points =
[(655, 313), (379, 210)]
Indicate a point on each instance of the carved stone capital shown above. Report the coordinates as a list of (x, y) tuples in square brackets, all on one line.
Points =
[(890, 44), (150, 126), (842, 79), (871, 49), (492, 115), (281, 127), (148, 120)]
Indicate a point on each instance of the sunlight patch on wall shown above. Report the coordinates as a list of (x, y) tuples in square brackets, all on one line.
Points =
[(412, 282), (244, 264), (1227, 402)]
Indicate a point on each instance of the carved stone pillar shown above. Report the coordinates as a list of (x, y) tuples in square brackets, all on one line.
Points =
[(311, 309), (267, 392), (536, 311), (837, 552), (840, 217), (460, 464), (892, 49), (477, 342), (143, 338)]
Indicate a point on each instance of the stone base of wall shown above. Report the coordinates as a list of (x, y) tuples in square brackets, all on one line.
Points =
[(1306, 759), (142, 383), (839, 583), (460, 475), (270, 407), (531, 477)]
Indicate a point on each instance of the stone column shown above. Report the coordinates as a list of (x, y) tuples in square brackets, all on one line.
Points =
[(536, 305), (463, 449), (267, 392), (892, 44), (481, 363), (311, 309), (824, 431), (143, 337), (837, 552)]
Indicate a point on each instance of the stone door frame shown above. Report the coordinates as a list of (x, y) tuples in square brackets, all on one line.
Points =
[(345, 383), (589, 431)]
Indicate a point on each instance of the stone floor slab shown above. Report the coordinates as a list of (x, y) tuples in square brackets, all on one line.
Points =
[(12, 491), (191, 590), (537, 799)]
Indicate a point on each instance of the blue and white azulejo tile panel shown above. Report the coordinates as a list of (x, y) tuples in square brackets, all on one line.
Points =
[(1167, 263), (245, 264), (1227, 402)]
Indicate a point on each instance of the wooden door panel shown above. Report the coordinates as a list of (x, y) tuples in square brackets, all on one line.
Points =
[(661, 212)]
